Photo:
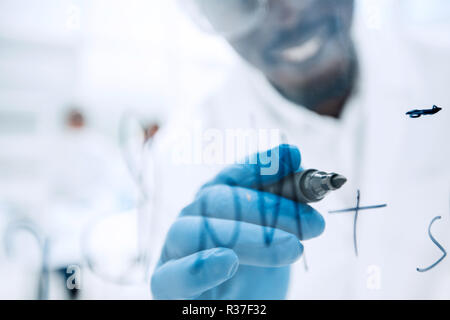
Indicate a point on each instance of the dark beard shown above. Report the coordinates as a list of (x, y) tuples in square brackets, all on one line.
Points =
[(328, 95)]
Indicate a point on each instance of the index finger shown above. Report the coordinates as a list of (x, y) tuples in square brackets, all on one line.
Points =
[(260, 168), (256, 207)]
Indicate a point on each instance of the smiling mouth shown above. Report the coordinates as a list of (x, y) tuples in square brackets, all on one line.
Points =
[(306, 50), (302, 52)]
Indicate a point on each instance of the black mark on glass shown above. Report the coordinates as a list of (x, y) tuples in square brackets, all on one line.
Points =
[(437, 244), (356, 210), (417, 113)]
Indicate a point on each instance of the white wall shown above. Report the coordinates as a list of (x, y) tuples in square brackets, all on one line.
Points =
[(107, 55)]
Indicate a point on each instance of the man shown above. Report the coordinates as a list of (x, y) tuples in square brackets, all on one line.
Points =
[(87, 176), (304, 82)]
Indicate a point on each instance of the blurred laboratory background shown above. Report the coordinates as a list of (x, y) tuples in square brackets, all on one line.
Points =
[(84, 86)]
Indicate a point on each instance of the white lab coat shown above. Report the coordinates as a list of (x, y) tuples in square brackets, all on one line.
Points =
[(88, 179), (391, 158)]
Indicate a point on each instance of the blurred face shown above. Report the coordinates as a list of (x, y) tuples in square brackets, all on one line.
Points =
[(75, 120), (301, 42)]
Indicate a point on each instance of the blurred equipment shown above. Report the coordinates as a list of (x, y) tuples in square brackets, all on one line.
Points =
[(125, 260), (43, 245)]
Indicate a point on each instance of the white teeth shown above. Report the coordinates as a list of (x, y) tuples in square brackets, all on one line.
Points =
[(304, 51)]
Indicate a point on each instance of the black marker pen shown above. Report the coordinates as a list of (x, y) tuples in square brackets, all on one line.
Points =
[(306, 186)]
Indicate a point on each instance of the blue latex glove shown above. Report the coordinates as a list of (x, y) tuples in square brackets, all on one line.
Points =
[(234, 242)]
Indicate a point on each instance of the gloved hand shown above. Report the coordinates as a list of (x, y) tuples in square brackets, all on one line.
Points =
[(235, 242)]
